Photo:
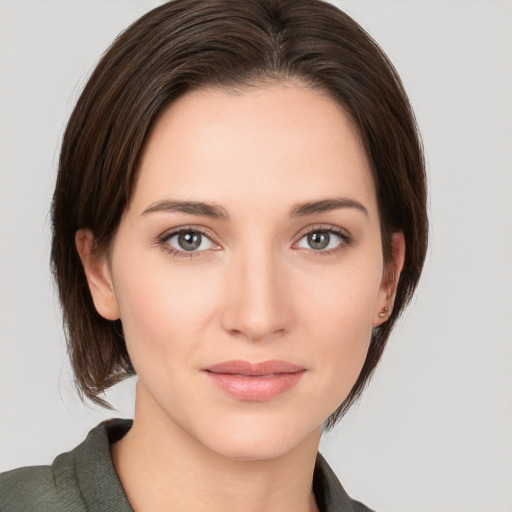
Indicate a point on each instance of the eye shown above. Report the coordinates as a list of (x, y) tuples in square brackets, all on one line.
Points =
[(189, 240), (321, 240)]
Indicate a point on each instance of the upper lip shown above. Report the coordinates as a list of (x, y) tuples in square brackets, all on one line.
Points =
[(240, 367)]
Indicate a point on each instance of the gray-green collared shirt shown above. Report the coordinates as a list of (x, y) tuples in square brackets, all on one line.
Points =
[(84, 479)]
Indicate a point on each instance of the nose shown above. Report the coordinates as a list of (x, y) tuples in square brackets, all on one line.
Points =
[(256, 305)]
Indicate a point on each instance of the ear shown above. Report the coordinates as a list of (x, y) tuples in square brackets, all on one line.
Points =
[(98, 274), (390, 278)]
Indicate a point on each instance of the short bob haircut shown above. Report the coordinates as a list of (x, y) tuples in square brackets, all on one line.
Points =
[(186, 45)]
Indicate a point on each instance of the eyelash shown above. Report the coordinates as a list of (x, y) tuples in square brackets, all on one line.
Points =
[(345, 240), (163, 239)]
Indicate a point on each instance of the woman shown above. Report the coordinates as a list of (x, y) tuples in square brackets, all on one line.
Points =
[(239, 219)]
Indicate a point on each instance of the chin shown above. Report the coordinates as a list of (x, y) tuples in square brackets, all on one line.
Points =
[(259, 438)]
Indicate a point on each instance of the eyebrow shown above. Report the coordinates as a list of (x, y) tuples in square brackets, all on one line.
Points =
[(326, 205), (216, 211), (191, 207)]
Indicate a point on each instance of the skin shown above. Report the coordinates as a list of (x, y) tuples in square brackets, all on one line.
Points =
[(255, 290)]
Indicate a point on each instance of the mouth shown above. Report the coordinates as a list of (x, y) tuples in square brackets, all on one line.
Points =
[(255, 382)]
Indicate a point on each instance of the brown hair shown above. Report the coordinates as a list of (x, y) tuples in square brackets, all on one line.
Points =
[(184, 45)]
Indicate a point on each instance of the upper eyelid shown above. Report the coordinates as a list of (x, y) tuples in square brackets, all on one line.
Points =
[(323, 227), (176, 231)]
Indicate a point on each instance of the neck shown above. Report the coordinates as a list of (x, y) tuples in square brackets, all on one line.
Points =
[(162, 467)]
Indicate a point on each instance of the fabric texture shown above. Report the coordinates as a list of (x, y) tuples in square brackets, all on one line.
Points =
[(84, 479)]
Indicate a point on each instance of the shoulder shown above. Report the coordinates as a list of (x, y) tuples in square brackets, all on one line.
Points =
[(357, 506), (77, 481), (329, 493), (39, 488)]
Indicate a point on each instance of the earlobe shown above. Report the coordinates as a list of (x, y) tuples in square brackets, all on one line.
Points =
[(98, 275), (390, 278)]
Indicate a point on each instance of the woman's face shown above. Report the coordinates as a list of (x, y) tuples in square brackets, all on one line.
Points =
[(248, 269)]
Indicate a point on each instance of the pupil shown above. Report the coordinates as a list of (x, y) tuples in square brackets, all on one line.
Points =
[(318, 240), (189, 241)]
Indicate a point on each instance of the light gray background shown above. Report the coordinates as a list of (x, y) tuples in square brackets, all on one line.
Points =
[(434, 430)]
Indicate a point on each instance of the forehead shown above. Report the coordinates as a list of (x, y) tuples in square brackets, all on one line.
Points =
[(274, 142)]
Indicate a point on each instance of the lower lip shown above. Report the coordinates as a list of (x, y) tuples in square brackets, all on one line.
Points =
[(255, 388)]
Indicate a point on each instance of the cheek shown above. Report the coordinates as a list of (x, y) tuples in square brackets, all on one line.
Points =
[(163, 307), (337, 312), (341, 299)]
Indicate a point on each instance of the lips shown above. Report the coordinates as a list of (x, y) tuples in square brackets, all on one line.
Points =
[(258, 382)]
